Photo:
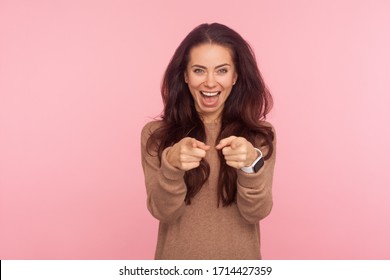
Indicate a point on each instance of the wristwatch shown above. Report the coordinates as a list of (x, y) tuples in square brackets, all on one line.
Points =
[(256, 165)]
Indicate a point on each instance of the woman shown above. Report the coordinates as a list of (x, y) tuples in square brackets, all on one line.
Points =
[(209, 161)]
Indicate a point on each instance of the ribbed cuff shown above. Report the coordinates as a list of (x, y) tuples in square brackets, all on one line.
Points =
[(249, 180)]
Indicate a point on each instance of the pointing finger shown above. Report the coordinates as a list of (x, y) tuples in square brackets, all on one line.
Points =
[(198, 144), (225, 142)]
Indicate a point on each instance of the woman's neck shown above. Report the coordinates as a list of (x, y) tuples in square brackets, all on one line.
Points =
[(210, 119)]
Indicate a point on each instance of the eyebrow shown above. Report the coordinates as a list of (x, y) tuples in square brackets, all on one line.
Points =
[(204, 67)]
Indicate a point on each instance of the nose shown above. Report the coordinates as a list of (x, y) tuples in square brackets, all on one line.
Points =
[(210, 81)]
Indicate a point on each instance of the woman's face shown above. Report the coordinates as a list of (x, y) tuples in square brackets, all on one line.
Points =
[(210, 76)]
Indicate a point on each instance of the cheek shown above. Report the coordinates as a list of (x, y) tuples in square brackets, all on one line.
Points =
[(193, 90), (227, 80), (227, 83), (194, 82)]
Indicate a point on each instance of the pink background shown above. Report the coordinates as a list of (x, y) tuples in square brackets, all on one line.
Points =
[(79, 79)]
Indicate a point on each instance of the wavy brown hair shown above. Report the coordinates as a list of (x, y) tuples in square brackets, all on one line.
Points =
[(248, 103)]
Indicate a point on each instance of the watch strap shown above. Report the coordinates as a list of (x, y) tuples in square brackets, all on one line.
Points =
[(256, 165)]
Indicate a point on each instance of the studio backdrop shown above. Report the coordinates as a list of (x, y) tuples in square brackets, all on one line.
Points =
[(80, 78)]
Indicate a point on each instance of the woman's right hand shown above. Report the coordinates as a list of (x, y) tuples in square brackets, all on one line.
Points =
[(187, 153)]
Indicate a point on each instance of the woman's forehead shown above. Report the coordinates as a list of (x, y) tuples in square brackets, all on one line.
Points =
[(210, 55)]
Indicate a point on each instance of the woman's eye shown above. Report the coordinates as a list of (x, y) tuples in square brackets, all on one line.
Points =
[(222, 70), (198, 71)]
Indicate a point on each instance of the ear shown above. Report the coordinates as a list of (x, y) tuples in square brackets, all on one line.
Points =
[(235, 78), (185, 77)]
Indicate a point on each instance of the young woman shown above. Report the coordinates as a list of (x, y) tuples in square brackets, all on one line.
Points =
[(209, 161)]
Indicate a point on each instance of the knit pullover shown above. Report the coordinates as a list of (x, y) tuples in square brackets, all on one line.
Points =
[(202, 230)]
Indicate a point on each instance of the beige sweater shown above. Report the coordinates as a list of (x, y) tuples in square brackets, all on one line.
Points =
[(202, 230)]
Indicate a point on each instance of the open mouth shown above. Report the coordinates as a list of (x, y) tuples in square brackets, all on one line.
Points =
[(210, 99)]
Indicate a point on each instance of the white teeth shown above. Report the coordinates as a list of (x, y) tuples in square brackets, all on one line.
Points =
[(210, 93)]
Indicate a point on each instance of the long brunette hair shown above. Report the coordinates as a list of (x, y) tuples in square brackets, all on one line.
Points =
[(249, 102)]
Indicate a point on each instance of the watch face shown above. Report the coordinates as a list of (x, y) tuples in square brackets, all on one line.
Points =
[(258, 165)]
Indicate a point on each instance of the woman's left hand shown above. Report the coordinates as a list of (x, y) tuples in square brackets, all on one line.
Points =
[(238, 151)]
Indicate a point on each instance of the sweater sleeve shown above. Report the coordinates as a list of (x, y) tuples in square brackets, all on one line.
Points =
[(165, 186), (254, 191)]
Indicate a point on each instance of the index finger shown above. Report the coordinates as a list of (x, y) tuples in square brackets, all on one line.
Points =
[(198, 144), (225, 142)]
